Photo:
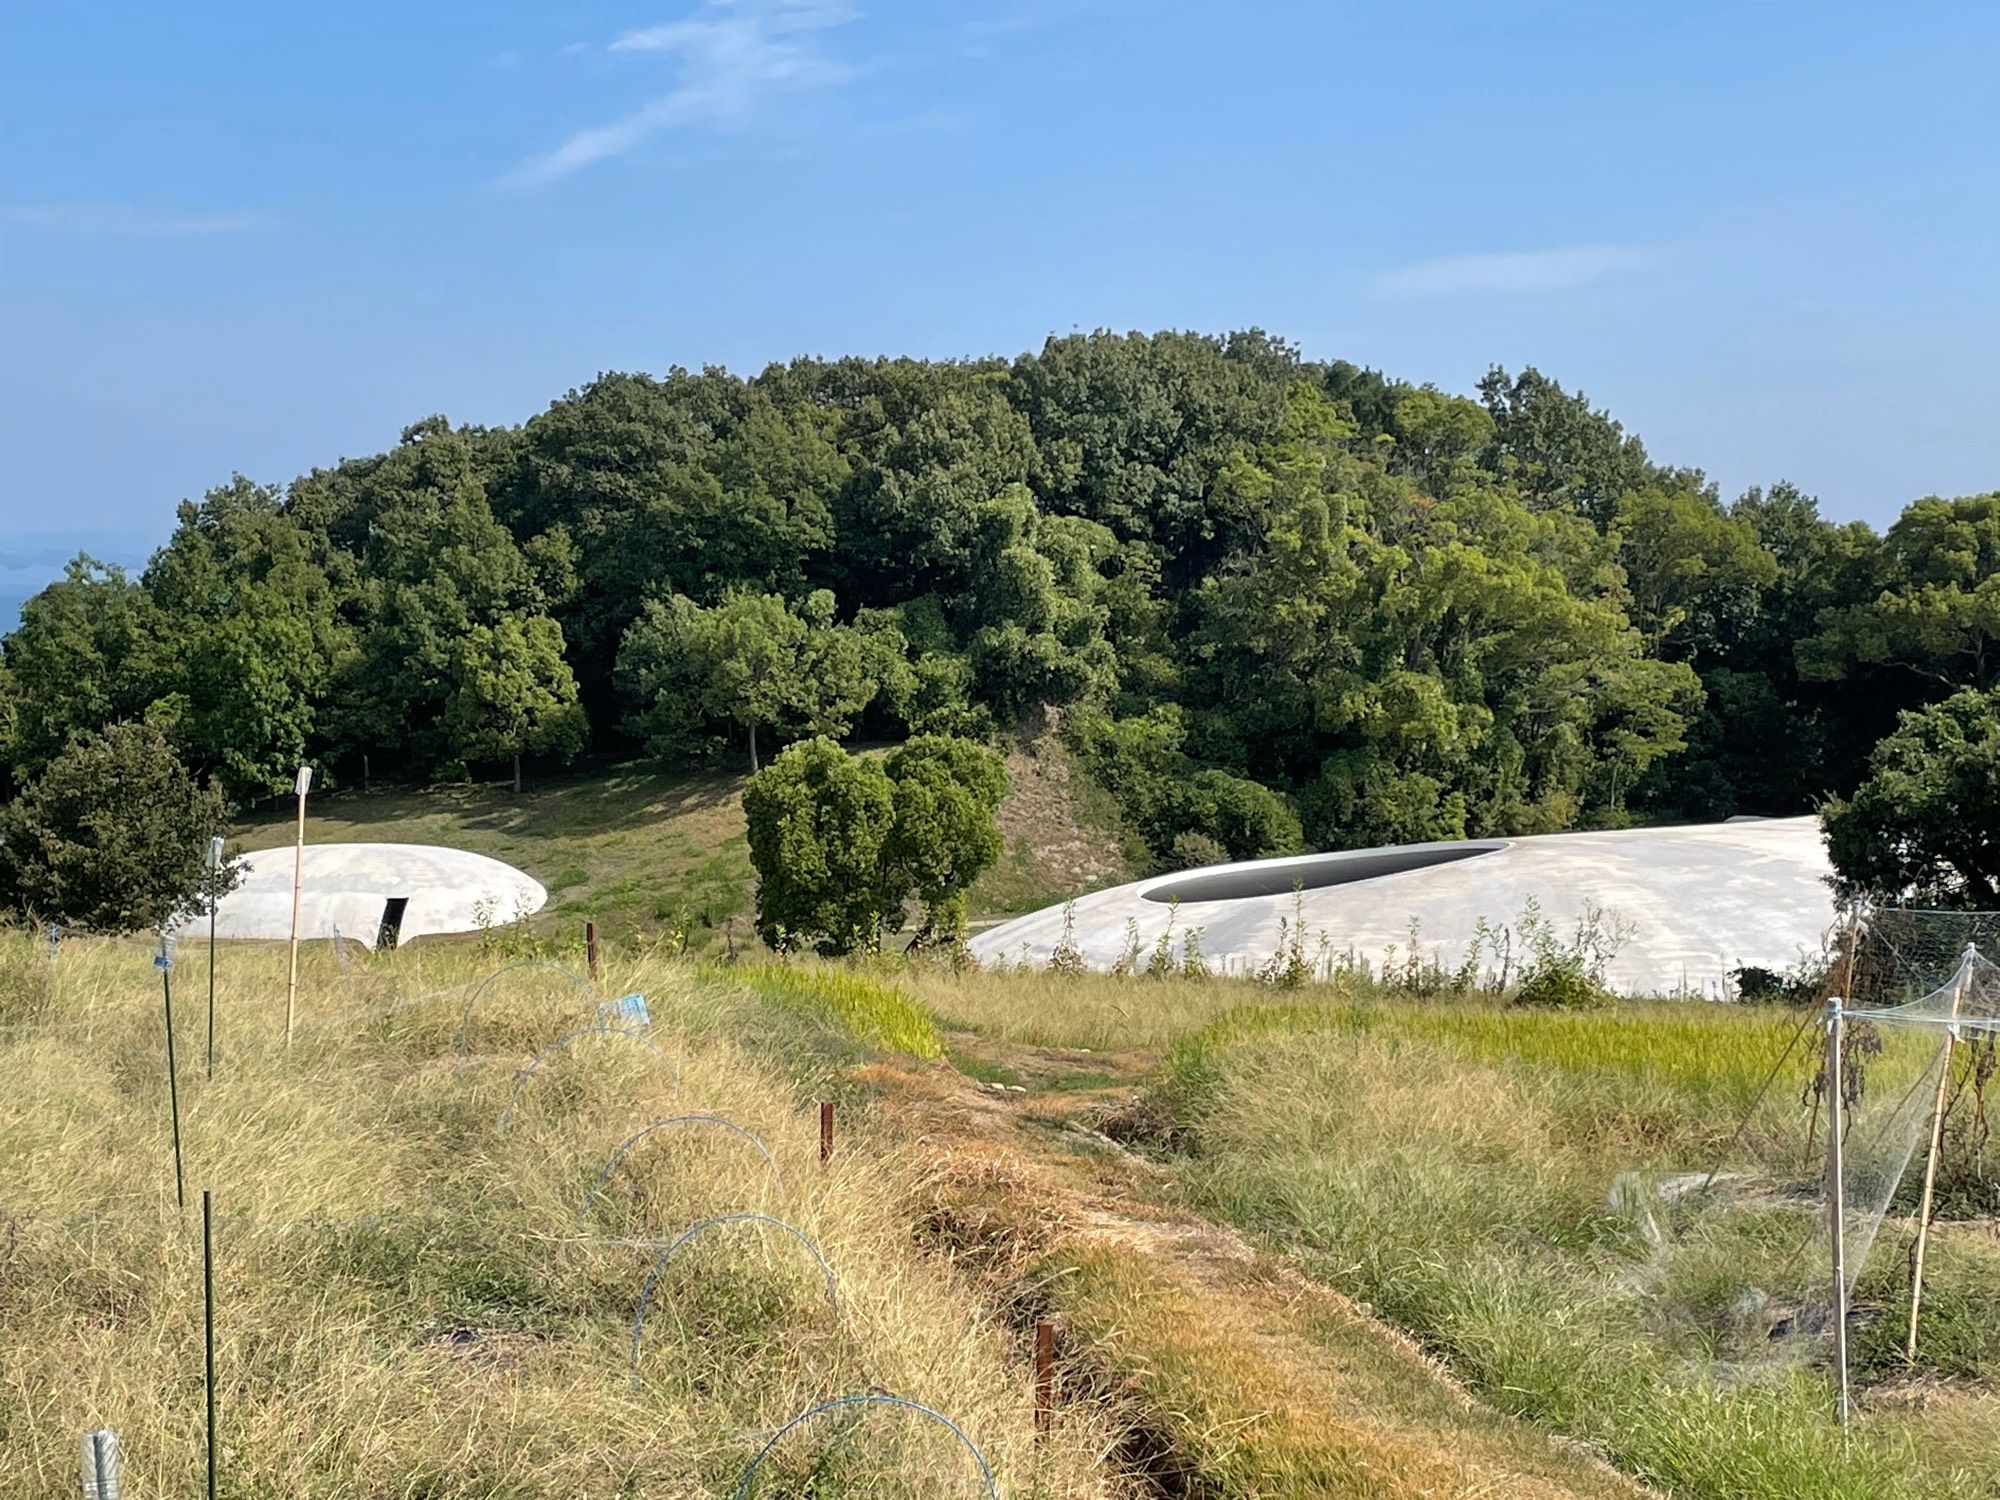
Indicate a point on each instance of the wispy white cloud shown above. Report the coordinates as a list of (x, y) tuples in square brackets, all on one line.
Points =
[(1519, 271), (129, 219), (732, 58)]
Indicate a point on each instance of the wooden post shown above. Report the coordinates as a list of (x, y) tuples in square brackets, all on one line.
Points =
[(590, 949), (301, 786), (825, 1131), (1836, 1193), (165, 964), (1933, 1156), (208, 1322), (1045, 1376)]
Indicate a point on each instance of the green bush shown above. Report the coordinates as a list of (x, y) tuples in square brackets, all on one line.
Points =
[(112, 836), (1561, 986)]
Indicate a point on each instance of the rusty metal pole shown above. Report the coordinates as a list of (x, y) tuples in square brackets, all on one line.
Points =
[(1045, 1375), (825, 1131), (590, 949)]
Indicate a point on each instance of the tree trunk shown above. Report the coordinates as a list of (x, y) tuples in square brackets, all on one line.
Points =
[(754, 767), (367, 782), (517, 773)]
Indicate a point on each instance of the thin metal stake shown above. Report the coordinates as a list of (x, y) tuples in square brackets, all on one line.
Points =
[(590, 949), (302, 785), (1836, 1193), (214, 897), (100, 1465), (165, 964), (825, 1132), (208, 1322)]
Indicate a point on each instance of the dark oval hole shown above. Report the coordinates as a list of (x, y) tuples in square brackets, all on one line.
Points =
[(1313, 872)]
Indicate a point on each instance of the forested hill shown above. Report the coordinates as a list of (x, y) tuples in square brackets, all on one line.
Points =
[(1277, 601)]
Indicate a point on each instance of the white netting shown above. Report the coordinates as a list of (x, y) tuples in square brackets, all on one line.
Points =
[(1735, 1265), (1909, 1073)]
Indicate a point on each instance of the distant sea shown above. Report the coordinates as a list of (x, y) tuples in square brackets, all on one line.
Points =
[(30, 563)]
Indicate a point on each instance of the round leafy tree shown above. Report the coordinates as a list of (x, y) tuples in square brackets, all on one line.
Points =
[(819, 821), (1924, 828), (112, 835), (944, 837)]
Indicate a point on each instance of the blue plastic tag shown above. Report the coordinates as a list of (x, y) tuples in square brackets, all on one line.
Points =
[(626, 1008)]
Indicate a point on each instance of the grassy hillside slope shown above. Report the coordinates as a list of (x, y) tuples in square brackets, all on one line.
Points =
[(638, 848)]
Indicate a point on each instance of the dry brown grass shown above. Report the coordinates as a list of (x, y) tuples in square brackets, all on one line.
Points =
[(408, 1305)]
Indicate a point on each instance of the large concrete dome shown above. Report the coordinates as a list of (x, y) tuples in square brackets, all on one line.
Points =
[(365, 891), (1695, 902)]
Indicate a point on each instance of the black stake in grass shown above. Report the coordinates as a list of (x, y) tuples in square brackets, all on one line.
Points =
[(165, 964), (214, 881), (208, 1323)]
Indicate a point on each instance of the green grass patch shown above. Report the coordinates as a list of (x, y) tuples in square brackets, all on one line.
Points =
[(874, 1012), (1456, 1166)]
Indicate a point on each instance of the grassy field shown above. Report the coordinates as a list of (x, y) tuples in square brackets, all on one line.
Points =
[(1457, 1165), (410, 1301), (1320, 1242), (634, 847)]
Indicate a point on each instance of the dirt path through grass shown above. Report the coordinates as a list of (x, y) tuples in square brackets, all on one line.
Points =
[(1234, 1374)]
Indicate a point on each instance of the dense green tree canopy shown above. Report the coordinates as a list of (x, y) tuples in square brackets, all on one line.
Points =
[(1924, 828), (944, 835), (820, 822), (111, 835), (1276, 602)]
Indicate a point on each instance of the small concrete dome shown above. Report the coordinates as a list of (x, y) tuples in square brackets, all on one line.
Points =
[(364, 892)]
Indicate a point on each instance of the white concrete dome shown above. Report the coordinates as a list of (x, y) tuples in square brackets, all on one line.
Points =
[(1696, 902), (361, 890)]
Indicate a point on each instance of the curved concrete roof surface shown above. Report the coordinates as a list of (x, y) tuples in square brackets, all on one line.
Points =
[(1698, 901), (348, 887)]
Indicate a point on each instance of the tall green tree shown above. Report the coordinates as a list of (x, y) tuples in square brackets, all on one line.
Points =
[(251, 629), (820, 821), (1935, 613), (513, 695), (944, 834), (88, 653), (1924, 828), (749, 664), (111, 835)]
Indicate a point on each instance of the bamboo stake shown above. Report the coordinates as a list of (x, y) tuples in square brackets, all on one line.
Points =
[(303, 785), (1836, 1193), (1932, 1158)]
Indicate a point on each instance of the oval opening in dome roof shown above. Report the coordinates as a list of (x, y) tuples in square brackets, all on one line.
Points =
[(1313, 872)]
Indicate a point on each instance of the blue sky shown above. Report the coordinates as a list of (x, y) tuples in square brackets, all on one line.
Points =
[(259, 237)]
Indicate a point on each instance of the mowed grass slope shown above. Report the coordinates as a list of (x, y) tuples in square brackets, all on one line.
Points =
[(638, 847), (411, 1301), (632, 846)]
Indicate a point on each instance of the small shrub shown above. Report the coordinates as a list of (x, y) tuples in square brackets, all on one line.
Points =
[(1193, 850), (1561, 986)]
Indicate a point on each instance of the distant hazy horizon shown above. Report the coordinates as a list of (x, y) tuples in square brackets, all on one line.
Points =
[(28, 564)]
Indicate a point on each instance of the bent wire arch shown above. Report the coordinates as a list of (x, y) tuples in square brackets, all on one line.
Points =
[(527, 1074), (465, 1021), (633, 1141), (666, 1257), (873, 1398)]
